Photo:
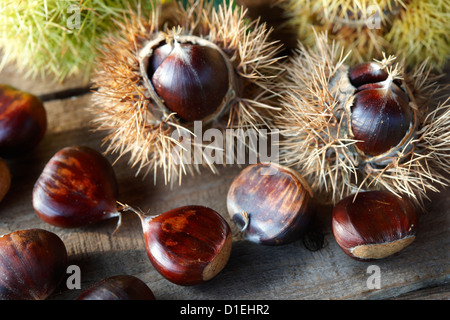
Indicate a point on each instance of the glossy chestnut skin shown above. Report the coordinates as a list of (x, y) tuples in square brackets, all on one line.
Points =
[(188, 245), (380, 115), (379, 120), (374, 225), (278, 204), (32, 264), (77, 187), (23, 121), (191, 79), (366, 72), (5, 179), (120, 287)]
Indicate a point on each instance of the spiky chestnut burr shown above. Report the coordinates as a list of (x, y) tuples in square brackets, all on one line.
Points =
[(154, 80), (415, 30), (387, 131), (58, 39)]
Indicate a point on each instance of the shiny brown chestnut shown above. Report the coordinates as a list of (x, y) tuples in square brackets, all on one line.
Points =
[(270, 203), (23, 121), (120, 287), (374, 224), (188, 76), (367, 72), (188, 245), (33, 263), (191, 79), (5, 179), (77, 188), (381, 116)]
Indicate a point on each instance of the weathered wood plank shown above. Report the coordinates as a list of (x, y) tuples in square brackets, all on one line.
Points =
[(253, 272)]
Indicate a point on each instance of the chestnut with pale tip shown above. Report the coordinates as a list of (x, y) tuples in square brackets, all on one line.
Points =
[(270, 203), (374, 224), (119, 287), (33, 263), (77, 188), (5, 179), (188, 245), (23, 121)]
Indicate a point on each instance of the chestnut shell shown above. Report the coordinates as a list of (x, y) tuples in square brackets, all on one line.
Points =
[(188, 245), (366, 72), (120, 287), (77, 187), (374, 224), (279, 205), (23, 121), (381, 118), (32, 264), (191, 79)]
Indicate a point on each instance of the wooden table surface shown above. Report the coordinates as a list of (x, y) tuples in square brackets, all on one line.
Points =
[(421, 271)]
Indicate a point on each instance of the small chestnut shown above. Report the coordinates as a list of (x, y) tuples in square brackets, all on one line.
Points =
[(187, 245), (374, 224), (23, 121), (32, 264), (5, 179), (77, 188), (367, 72), (270, 203), (120, 287)]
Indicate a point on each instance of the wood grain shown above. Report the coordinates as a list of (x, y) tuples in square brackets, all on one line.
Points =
[(253, 271), (421, 271)]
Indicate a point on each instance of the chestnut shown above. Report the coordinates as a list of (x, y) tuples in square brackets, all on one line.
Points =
[(374, 224), (188, 245), (376, 125), (159, 78), (191, 79), (23, 121), (33, 263), (367, 72), (188, 76), (271, 204), (5, 179), (77, 188), (120, 287), (381, 116)]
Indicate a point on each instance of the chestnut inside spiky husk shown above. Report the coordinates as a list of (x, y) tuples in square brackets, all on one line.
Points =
[(156, 78), (381, 115), (187, 75), (347, 128)]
